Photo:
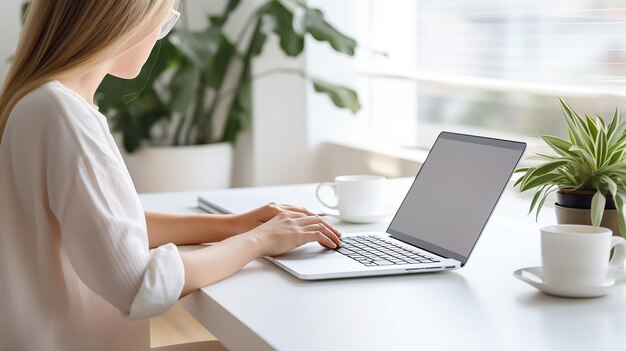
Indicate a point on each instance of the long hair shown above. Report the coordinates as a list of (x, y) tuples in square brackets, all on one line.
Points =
[(62, 37)]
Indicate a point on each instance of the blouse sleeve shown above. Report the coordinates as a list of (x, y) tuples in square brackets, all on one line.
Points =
[(104, 235)]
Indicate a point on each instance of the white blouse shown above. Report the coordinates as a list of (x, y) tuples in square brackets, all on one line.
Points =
[(76, 272)]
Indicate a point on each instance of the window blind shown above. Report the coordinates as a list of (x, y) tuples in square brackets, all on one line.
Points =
[(500, 64)]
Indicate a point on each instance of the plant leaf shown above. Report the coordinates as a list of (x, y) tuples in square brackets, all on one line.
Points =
[(199, 47), (540, 206), (217, 67), (586, 156), (614, 122), (560, 146), (549, 167), (597, 208), (619, 204), (312, 21), (610, 184), (239, 115), (24, 11), (280, 20), (257, 42), (618, 133), (549, 178), (591, 127), (183, 88), (577, 128), (341, 96), (567, 175), (535, 198), (601, 149)]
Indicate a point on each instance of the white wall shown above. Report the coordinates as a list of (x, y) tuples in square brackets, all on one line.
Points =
[(9, 29)]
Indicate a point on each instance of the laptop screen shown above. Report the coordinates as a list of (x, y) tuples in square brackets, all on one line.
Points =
[(454, 193)]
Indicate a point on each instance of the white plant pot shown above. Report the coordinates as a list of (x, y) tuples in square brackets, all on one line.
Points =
[(181, 168)]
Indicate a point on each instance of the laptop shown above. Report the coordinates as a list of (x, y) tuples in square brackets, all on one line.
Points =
[(438, 223)]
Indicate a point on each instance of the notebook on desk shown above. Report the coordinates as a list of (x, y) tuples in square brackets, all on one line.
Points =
[(247, 199)]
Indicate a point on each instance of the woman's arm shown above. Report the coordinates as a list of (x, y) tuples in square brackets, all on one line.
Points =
[(204, 228), (189, 229), (285, 231), (267, 231)]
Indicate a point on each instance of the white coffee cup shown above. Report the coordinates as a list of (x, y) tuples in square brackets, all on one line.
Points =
[(356, 195), (578, 255)]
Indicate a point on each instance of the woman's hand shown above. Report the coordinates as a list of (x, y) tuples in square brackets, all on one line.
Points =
[(245, 222), (278, 229)]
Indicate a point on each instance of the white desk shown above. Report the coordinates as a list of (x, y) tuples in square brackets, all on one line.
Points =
[(479, 307)]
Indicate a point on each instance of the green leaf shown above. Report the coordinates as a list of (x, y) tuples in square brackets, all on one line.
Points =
[(199, 47), (535, 172), (219, 21), (567, 175), (610, 184), (601, 149), (586, 156), (540, 180), (591, 126), (619, 204), (218, 65), (239, 115), (613, 124), (183, 89), (597, 208), (24, 11), (577, 128), (280, 20), (257, 42), (341, 96), (549, 167), (312, 21), (560, 146), (618, 133), (521, 170), (232, 5), (600, 123), (536, 197), (540, 206), (615, 157)]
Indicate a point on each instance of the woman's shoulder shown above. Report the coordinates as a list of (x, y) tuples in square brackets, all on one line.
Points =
[(57, 119), (52, 98), (53, 108)]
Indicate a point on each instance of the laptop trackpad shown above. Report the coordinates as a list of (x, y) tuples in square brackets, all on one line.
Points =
[(309, 250)]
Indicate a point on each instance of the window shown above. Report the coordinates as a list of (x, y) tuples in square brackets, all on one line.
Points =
[(492, 67)]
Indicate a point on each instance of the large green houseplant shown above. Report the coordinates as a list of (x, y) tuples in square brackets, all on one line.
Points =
[(588, 167), (175, 99), (195, 91)]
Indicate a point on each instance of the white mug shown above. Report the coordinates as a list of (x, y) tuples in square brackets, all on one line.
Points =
[(578, 255), (356, 195)]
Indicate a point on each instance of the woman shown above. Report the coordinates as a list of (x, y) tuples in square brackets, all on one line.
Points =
[(76, 272)]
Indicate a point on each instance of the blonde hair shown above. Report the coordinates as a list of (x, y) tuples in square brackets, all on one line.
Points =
[(62, 37)]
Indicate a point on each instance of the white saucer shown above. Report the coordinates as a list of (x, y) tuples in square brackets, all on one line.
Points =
[(534, 276), (359, 219)]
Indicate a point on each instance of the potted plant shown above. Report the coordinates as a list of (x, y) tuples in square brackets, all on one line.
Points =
[(169, 116), (587, 172)]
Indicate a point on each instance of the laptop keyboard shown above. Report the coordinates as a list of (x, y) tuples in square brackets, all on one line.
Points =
[(371, 250)]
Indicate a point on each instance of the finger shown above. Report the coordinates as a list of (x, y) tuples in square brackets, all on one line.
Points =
[(292, 214), (313, 218), (320, 227), (308, 213), (297, 209), (320, 238)]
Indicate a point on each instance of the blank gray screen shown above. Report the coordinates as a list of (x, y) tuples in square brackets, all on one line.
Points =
[(455, 192)]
